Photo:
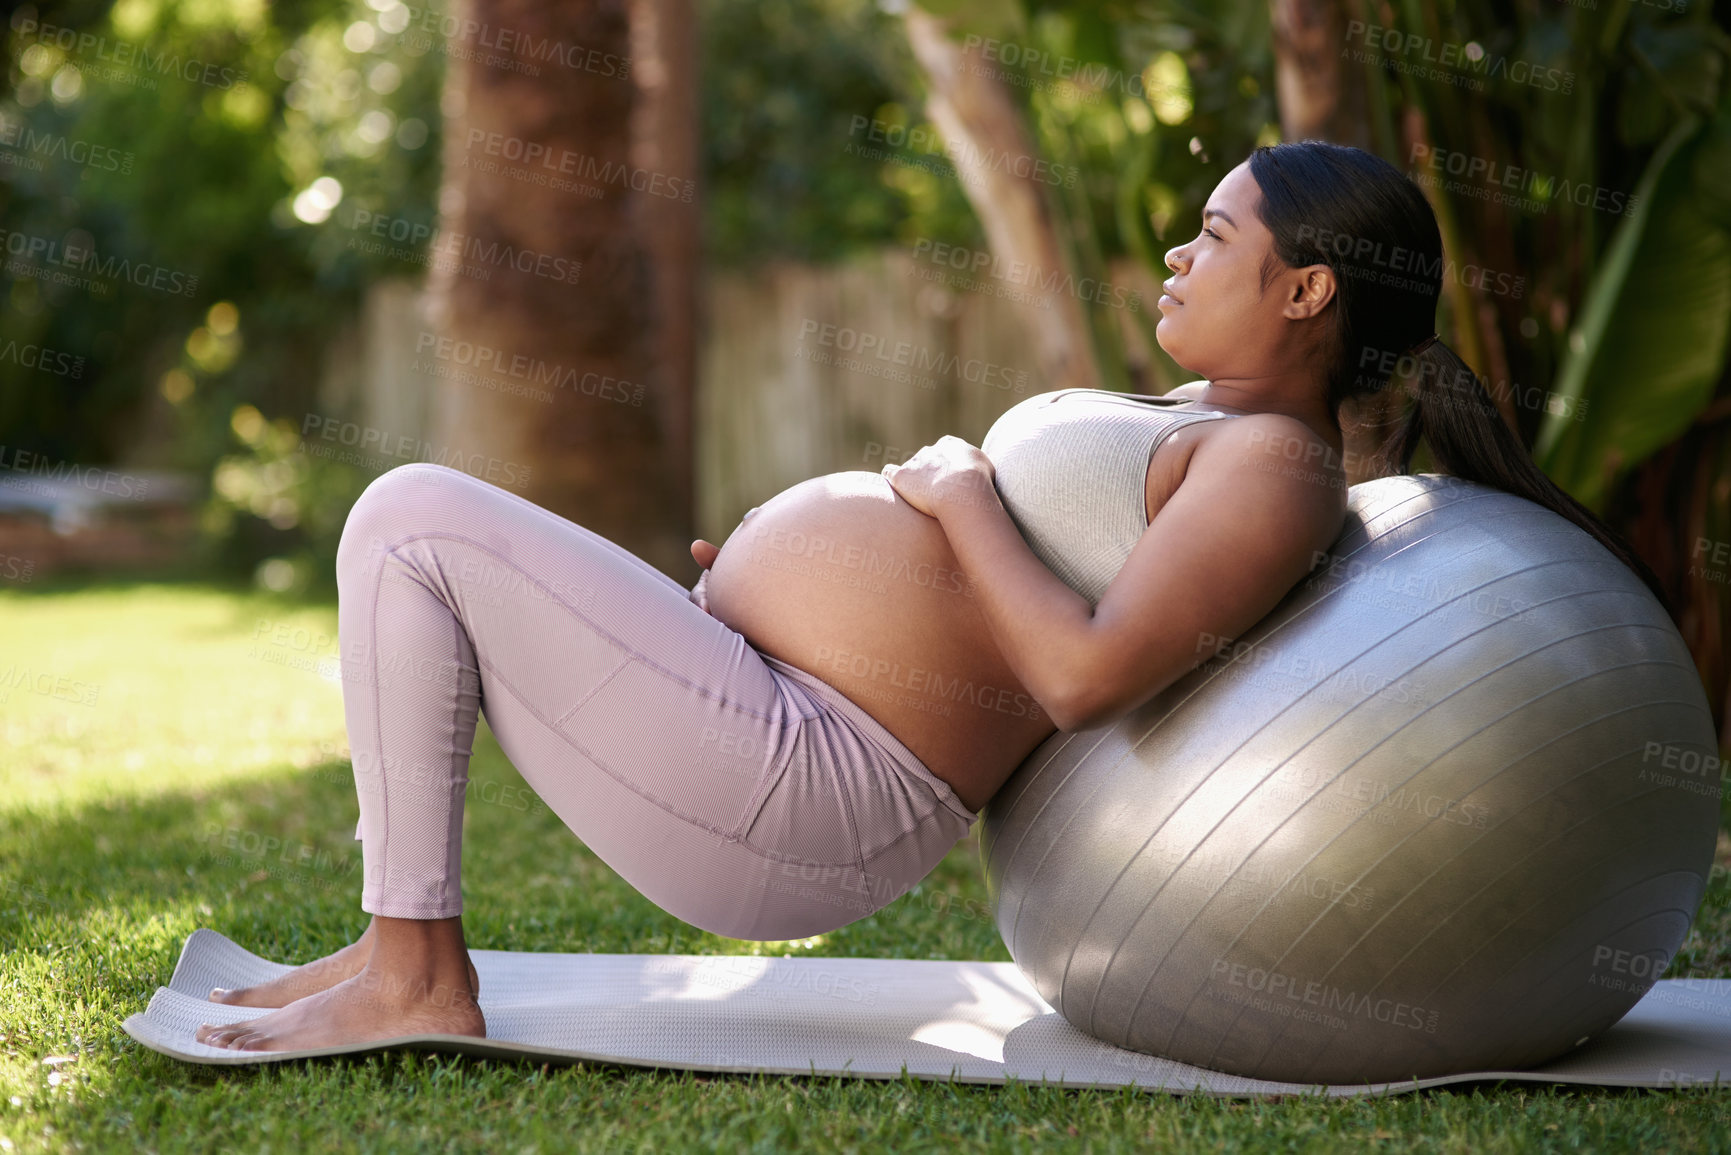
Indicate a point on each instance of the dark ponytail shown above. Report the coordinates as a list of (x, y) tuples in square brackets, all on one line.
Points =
[(1469, 439), (1367, 221)]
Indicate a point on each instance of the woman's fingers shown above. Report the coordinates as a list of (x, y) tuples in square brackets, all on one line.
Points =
[(703, 553)]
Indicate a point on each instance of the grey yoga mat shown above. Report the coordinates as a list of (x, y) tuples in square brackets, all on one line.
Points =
[(974, 1022)]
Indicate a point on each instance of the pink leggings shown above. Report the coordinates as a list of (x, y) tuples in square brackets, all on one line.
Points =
[(736, 792)]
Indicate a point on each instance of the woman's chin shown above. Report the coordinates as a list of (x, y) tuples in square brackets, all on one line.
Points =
[(1163, 338)]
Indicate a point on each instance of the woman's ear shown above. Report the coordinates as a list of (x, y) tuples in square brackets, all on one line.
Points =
[(1310, 291)]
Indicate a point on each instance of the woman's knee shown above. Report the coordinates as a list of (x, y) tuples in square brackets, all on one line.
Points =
[(383, 511)]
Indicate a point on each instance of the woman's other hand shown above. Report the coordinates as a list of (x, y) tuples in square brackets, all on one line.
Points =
[(704, 554), (949, 471)]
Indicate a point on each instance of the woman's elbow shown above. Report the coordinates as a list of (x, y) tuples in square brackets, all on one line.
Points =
[(1100, 703), (1084, 709)]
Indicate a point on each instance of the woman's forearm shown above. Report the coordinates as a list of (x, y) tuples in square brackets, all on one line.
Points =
[(1043, 627)]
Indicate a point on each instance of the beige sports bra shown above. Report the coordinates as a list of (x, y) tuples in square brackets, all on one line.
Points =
[(1071, 468)]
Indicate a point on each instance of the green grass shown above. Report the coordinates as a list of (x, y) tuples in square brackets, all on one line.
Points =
[(164, 733)]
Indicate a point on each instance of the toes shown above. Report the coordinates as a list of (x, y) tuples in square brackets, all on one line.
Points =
[(223, 1035)]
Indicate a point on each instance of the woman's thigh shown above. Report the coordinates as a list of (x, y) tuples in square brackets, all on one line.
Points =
[(730, 794)]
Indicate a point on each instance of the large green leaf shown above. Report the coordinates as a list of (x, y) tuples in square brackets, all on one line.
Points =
[(1653, 332)]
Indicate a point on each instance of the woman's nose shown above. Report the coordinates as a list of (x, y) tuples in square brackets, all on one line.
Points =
[(1173, 260)]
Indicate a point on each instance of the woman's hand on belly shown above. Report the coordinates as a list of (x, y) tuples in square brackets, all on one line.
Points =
[(704, 554)]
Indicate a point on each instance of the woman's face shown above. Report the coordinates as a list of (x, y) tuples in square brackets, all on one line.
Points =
[(1216, 319)]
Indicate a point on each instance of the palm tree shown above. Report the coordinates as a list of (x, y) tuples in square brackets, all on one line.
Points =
[(567, 243)]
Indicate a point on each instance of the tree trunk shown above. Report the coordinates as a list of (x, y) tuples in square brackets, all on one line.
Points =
[(664, 140), (977, 115), (547, 256), (1321, 97), (1321, 94)]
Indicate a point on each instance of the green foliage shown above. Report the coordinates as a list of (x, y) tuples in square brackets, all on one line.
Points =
[(1149, 105), (244, 184), (1569, 106), (204, 188), (224, 182), (791, 91), (1659, 313)]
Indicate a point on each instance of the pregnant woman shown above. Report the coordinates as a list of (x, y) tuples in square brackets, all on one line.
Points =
[(800, 738)]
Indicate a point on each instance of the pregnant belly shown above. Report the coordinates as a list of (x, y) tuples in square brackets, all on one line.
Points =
[(839, 577)]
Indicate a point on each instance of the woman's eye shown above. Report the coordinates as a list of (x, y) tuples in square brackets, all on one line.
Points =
[(1212, 233)]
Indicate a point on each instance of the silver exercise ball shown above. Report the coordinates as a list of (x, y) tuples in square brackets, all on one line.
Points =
[(1449, 807)]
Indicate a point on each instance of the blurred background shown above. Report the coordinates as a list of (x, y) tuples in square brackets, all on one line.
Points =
[(648, 262)]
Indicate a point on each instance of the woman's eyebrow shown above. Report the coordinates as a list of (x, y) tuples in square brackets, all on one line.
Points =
[(1206, 213)]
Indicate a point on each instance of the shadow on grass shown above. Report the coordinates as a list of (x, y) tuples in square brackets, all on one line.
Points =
[(271, 862)]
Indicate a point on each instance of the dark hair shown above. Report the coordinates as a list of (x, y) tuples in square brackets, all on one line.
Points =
[(1352, 210)]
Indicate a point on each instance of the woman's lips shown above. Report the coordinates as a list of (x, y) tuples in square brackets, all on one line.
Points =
[(1168, 297)]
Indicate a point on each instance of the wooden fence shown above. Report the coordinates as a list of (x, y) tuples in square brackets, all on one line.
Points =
[(802, 370)]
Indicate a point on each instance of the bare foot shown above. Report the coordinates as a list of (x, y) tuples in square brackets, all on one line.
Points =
[(417, 980), (365, 1007), (311, 978)]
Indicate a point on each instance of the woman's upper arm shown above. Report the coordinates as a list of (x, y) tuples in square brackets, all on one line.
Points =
[(1243, 527)]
